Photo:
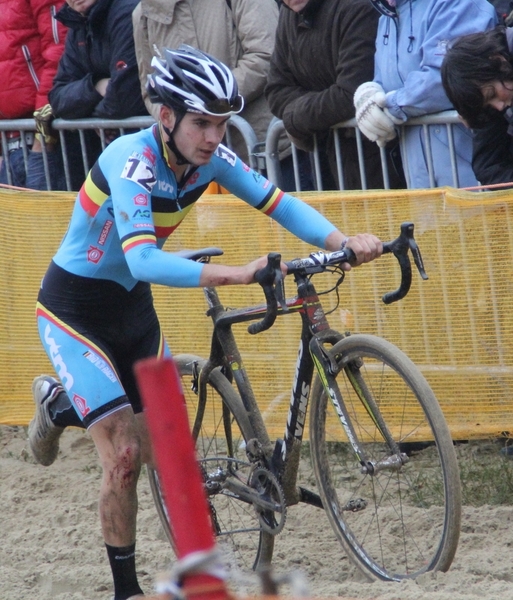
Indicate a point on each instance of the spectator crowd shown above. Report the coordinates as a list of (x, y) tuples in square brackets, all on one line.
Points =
[(310, 63)]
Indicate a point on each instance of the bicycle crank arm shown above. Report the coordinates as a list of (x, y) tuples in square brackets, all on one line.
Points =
[(309, 497), (251, 496)]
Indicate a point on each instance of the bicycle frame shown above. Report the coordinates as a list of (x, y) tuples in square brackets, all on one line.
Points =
[(282, 458), (357, 463)]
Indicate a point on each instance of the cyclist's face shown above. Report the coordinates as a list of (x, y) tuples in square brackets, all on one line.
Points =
[(498, 95), (197, 137)]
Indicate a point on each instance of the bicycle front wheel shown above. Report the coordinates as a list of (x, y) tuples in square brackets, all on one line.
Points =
[(404, 518), (222, 430)]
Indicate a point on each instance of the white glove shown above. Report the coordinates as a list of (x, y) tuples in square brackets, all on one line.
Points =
[(373, 121)]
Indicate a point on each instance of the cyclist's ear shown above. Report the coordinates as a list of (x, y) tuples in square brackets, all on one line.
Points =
[(167, 117)]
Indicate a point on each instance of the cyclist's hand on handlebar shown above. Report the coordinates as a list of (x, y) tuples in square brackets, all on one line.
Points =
[(366, 248), (258, 264), (216, 275)]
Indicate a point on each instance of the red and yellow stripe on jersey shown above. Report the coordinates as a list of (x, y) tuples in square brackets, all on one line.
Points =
[(166, 222), (94, 191), (271, 201)]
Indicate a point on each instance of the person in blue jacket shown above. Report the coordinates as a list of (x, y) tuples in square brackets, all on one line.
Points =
[(410, 45), (95, 311)]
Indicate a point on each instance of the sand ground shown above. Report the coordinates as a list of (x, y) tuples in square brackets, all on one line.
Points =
[(51, 546)]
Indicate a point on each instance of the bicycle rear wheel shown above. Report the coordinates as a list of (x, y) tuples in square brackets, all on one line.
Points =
[(404, 519), (223, 429)]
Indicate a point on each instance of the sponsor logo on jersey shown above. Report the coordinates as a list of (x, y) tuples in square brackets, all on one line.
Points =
[(100, 364), (441, 47), (192, 180), (105, 232), (60, 366), (166, 186), (81, 404), (141, 200), (141, 214), (94, 254), (143, 226), (245, 167), (149, 154), (226, 154)]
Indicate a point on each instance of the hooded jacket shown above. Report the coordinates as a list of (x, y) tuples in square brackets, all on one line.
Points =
[(31, 43), (410, 46), (99, 45)]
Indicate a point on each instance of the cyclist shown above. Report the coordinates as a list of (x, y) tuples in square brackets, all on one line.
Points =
[(95, 311)]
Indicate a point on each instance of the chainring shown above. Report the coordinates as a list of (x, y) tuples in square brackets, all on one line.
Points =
[(270, 490)]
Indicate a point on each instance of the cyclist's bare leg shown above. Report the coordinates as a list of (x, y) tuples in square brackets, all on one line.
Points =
[(147, 457), (118, 444)]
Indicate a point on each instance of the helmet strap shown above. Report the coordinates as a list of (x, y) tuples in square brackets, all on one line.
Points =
[(170, 143)]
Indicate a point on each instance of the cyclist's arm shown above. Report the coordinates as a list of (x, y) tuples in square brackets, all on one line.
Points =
[(298, 217)]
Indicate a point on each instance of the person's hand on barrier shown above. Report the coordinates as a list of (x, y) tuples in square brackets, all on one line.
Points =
[(373, 121), (44, 117)]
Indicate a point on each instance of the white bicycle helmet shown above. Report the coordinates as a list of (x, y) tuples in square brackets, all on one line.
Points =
[(189, 80)]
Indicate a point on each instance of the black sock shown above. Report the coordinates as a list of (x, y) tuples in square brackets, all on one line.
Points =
[(62, 412), (122, 564)]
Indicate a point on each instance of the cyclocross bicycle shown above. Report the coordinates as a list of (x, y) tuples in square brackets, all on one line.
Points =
[(382, 453)]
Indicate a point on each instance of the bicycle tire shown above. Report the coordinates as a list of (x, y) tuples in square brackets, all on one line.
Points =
[(405, 521), (243, 543)]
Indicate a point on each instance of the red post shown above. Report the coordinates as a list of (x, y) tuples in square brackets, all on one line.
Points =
[(179, 474)]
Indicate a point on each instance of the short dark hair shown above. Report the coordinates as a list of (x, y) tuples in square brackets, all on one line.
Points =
[(470, 63)]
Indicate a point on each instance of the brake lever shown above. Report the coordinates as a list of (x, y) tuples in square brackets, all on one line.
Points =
[(279, 289), (417, 257)]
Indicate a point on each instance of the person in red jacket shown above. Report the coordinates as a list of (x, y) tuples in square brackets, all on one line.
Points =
[(31, 44)]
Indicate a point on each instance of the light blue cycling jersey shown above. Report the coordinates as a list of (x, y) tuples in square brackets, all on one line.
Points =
[(131, 202)]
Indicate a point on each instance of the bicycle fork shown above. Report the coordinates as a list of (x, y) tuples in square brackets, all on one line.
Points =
[(327, 369)]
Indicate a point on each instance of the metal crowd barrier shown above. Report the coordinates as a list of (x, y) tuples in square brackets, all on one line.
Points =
[(276, 128), (26, 127), (263, 156)]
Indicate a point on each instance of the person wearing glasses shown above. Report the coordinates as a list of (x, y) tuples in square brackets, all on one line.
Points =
[(95, 311)]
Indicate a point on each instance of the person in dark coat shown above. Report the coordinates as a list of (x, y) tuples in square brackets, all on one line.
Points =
[(97, 74), (324, 50)]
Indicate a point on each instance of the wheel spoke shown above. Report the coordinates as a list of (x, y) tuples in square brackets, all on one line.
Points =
[(407, 514)]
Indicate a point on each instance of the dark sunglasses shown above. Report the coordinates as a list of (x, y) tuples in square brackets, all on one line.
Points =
[(223, 106)]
